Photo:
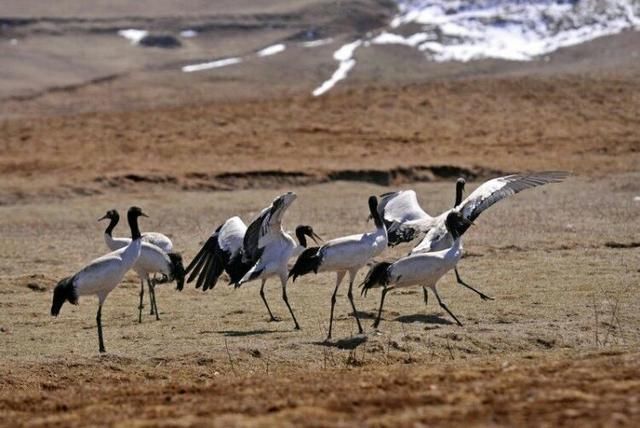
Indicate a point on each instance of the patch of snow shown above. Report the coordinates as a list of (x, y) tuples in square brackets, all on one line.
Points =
[(134, 36), (187, 34), (386, 38), (513, 30), (213, 64), (339, 74), (345, 52), (636, 198), (13, 42), (316, 43), (344, 55), (272, 50)]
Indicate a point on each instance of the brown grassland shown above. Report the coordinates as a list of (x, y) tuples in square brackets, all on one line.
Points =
[(557, 347)]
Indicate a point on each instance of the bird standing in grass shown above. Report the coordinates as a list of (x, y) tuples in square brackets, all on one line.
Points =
[(101, 275), (418, 269), (342, 255), (259, 251), (441, 248), (406, 220), (155, 257)]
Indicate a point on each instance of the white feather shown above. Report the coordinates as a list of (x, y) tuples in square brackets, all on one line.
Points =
[(103, 274)]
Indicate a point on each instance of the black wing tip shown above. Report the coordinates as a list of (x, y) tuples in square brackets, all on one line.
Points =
[(196, 264), (388, 194), (544, 177)]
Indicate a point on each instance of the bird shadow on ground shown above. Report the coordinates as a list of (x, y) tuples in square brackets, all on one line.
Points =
[(349, 343), (236, 333), (425, 319), (365, 315)]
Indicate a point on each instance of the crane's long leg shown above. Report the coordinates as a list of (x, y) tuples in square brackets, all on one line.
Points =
[(461, 282), (352, 277), (426, 295), (141, 305), (152, 296), (152, 285), (443, 306), (283, 279), (265, 301), (384, 294), (99, 322), (339, 276)]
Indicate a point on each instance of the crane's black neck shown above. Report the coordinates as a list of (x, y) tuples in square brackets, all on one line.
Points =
[(113, 222), (302, 239), (459, 191), (456, 224), (373, 209), (133, 224)]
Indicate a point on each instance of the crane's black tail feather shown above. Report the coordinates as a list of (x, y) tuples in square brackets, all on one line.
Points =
[(63, 292), (236, 268), (177, 269), (378, 276), (308, 261)]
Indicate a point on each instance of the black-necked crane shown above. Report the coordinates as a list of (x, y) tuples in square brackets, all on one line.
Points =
[(158, 239), (406, 220), (419, 269), (441, 248), (342, 255), (101, 275), (155, 257), (259, 251)]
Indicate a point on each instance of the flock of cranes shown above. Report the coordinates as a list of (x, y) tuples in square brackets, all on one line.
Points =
[(263, 250)]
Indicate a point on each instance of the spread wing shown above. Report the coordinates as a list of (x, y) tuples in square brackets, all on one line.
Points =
[(490, 192), (499, 188), (251, 243), (403, 216), (266, 228), (216, 255)]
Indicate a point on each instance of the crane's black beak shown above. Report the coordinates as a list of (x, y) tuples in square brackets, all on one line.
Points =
[(316, 238), (143, 214), (104, 217)]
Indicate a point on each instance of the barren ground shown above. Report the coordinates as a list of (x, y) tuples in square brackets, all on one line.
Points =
[(558, 346)]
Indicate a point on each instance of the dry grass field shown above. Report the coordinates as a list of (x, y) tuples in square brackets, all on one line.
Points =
[(557, 345), (110, 125)]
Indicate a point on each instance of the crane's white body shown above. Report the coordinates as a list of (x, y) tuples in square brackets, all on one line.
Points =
[(248, 253), (424, 269), (104, 274), (342, 255), (271, 247), (152, 259), (276, 245), (275, 258), (352, 252), (158, 239)]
